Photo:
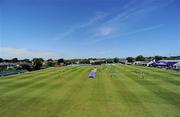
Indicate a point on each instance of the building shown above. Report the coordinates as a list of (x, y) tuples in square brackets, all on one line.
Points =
[(165, 63), (150, 63), (97, 62), (141, 63), (7, 65), (170, 63)]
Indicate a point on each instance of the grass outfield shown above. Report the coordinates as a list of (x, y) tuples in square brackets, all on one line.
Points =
[(116, 91)]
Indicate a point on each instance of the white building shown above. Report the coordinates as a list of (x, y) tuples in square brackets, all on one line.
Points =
[(177, 66), (169, 60), (141, 63)]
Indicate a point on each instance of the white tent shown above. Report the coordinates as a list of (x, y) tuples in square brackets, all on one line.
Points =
[(177, 66), (148, 64)]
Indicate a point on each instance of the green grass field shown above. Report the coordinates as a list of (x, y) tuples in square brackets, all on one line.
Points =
[(117, 91)]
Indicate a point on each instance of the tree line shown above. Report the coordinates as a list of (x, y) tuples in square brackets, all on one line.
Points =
[(156, 58), (51, 62), (39, 63)]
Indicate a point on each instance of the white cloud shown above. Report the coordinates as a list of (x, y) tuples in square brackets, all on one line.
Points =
[(105, 31), (130, 16), (74, 28), (143, 29), (102, 25), (94, 39), (95, 19), (21, 53)]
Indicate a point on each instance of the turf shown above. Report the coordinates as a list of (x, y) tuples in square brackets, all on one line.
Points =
[(117, 91)]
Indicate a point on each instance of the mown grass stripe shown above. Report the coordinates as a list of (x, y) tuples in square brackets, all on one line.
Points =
[(163, 80), (32, 93), (30, 79), (159, 95), (56, 89), (130, 100)]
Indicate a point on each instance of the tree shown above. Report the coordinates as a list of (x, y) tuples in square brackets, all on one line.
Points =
[(49, 60), (60, 60), (26, 60), (26, 67), (84, 61), (14, 60), (68, 62), (1, 60), (140, 58), (74, 61), (7, 60), (109, 60), (130, 59), (50, 63), (41, 59), (164, 57), (37, 63), (157, 58), (116, 60)]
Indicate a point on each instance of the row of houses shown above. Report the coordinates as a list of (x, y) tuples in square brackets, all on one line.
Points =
[(169, 64), (5, 65)]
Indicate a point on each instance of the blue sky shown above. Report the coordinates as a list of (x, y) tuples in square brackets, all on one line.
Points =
[(89, 28)]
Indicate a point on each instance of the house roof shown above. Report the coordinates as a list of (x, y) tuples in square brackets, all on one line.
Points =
[(169, 60), (177, 64)]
